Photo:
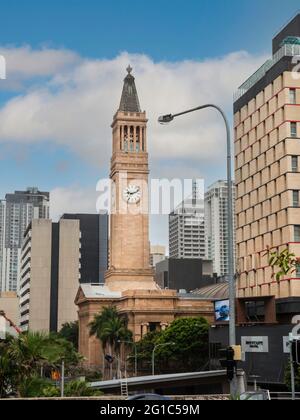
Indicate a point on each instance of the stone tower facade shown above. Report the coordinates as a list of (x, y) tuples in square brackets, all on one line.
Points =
[(129, 225)]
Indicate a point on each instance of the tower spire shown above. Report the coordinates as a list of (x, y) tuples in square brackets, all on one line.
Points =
[(129, 100)]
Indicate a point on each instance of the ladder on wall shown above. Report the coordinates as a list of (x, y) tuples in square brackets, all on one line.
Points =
[(124, 386)]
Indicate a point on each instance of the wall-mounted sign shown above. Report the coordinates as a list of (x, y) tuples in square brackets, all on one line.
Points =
[(286, 345), (255, 344)]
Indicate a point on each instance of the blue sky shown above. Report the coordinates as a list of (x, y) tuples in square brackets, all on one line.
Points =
[(66, 61), (164, 29)]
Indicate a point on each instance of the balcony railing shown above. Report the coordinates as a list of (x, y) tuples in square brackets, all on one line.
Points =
[(288, 50)]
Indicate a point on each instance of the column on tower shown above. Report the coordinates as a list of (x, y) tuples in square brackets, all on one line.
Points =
[(138, 139), (122, 137), (134, 138), (125, 148)]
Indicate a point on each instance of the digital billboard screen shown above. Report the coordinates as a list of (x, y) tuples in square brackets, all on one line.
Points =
[(222, 313)]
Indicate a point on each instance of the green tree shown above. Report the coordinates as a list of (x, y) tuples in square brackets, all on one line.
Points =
[(24, 359), (70, 331), (34, 351), (190, 351), (80, 389), (286, 262), (146, 345), (8, 371), (32, 387), (288, 380), (110, 329)]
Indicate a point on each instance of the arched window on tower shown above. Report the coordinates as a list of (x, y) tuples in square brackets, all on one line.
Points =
[(131, 139), (125, 139), (143, 139), (138, 140)]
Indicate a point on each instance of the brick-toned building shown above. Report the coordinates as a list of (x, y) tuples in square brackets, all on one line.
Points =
[(267, 154)]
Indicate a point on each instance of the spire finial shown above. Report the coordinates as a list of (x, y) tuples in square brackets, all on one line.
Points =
[(129, 69)]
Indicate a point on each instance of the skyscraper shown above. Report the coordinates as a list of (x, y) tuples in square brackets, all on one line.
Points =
[(267, 145), (216, 220), (16, 212), (187, 228), (158, 254), (94, 246), (49, 274)]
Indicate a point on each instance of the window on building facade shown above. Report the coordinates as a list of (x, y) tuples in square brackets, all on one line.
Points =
[(294, 163), (293, 96), (297, 233), (293, 129), (296, 198)]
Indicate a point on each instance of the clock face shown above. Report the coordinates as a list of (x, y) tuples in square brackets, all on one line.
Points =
[(132, 194)]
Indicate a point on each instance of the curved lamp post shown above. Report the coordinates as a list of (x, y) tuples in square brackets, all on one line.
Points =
[(153, 354), (132, 343), (231, 272)]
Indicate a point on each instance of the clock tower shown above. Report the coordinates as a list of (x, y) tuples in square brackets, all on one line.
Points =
[(129, 223)]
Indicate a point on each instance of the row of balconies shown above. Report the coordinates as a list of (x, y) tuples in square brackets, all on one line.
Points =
[(279, 191), (267, 101), (260, 260), (278, 238), (288, 112), (267, 151), (269, 181), (266, 174), (278, 229), (275, 217)]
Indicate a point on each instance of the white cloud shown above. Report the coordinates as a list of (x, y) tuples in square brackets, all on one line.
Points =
[(73, 199), (25, 63), (75, 106)]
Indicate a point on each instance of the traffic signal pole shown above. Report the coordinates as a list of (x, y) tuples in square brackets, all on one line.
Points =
[(293, 373)]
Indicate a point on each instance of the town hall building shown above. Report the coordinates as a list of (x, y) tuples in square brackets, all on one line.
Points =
[(129, 281)]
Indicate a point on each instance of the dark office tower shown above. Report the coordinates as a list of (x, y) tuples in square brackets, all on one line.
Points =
[(94, 246)]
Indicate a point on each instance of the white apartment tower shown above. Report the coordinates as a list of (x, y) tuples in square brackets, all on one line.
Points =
[(187, 228), (16, 213), (216, 218)]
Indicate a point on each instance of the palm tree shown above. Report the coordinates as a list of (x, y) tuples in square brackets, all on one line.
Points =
[(29, 351), (110, 329), (34, 352)]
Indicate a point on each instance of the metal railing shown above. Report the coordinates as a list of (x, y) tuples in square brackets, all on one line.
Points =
[(288, 50)]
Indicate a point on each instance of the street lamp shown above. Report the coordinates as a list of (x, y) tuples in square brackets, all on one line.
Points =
[(135, 354), (231, 271), (153, 354)]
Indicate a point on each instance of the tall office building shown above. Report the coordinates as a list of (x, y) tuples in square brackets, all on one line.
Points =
[(16, 212), (2, 241), (50, 275), (216, 221), (94, 246), (157, 255), (56, 258), (267, 152), (187, 228)]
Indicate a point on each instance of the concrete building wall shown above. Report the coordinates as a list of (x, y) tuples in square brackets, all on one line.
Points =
[(49, 277), (9, 303), (35, 278), (69, 270)]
